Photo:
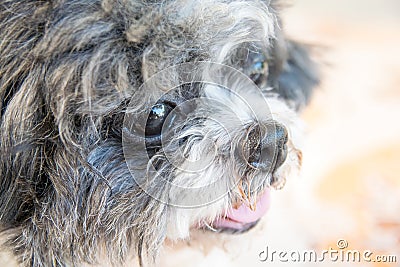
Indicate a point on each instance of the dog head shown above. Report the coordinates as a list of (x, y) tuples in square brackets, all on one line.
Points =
[(128, 122)]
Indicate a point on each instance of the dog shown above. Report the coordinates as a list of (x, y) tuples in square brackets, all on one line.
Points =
[(127, 123)]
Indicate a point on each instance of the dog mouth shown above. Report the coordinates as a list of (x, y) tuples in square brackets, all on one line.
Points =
[(244, 217)]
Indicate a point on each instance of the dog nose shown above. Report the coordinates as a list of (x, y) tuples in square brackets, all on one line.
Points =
[(268, 150)]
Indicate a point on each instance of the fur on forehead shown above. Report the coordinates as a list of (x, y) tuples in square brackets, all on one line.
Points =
[(157, 34), (200, 30)]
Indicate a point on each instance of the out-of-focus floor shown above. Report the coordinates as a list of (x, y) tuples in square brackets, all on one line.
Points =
[(352, 156), (350, 183)]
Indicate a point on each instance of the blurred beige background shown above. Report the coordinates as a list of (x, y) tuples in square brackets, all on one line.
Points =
[(350, 184), (352, 155)]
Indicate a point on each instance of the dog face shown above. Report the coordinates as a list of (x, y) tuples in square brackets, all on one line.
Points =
[(124, 123)]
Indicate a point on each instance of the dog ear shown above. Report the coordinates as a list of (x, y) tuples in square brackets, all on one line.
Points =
[(299, 75)]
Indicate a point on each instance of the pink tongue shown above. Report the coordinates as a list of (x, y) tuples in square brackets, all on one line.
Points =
[(236, 218)]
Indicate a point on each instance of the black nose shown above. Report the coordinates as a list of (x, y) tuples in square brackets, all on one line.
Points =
[(267, 146)]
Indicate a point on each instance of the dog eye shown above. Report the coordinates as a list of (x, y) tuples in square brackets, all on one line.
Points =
[(258, 71), (156, 119)]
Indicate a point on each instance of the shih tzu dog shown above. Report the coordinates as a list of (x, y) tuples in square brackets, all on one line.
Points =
[(125, 123)]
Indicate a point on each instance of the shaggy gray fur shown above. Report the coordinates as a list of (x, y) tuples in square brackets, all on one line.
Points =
[(68, 69)]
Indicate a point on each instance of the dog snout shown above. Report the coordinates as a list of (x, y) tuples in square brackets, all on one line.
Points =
[(267, 146)]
